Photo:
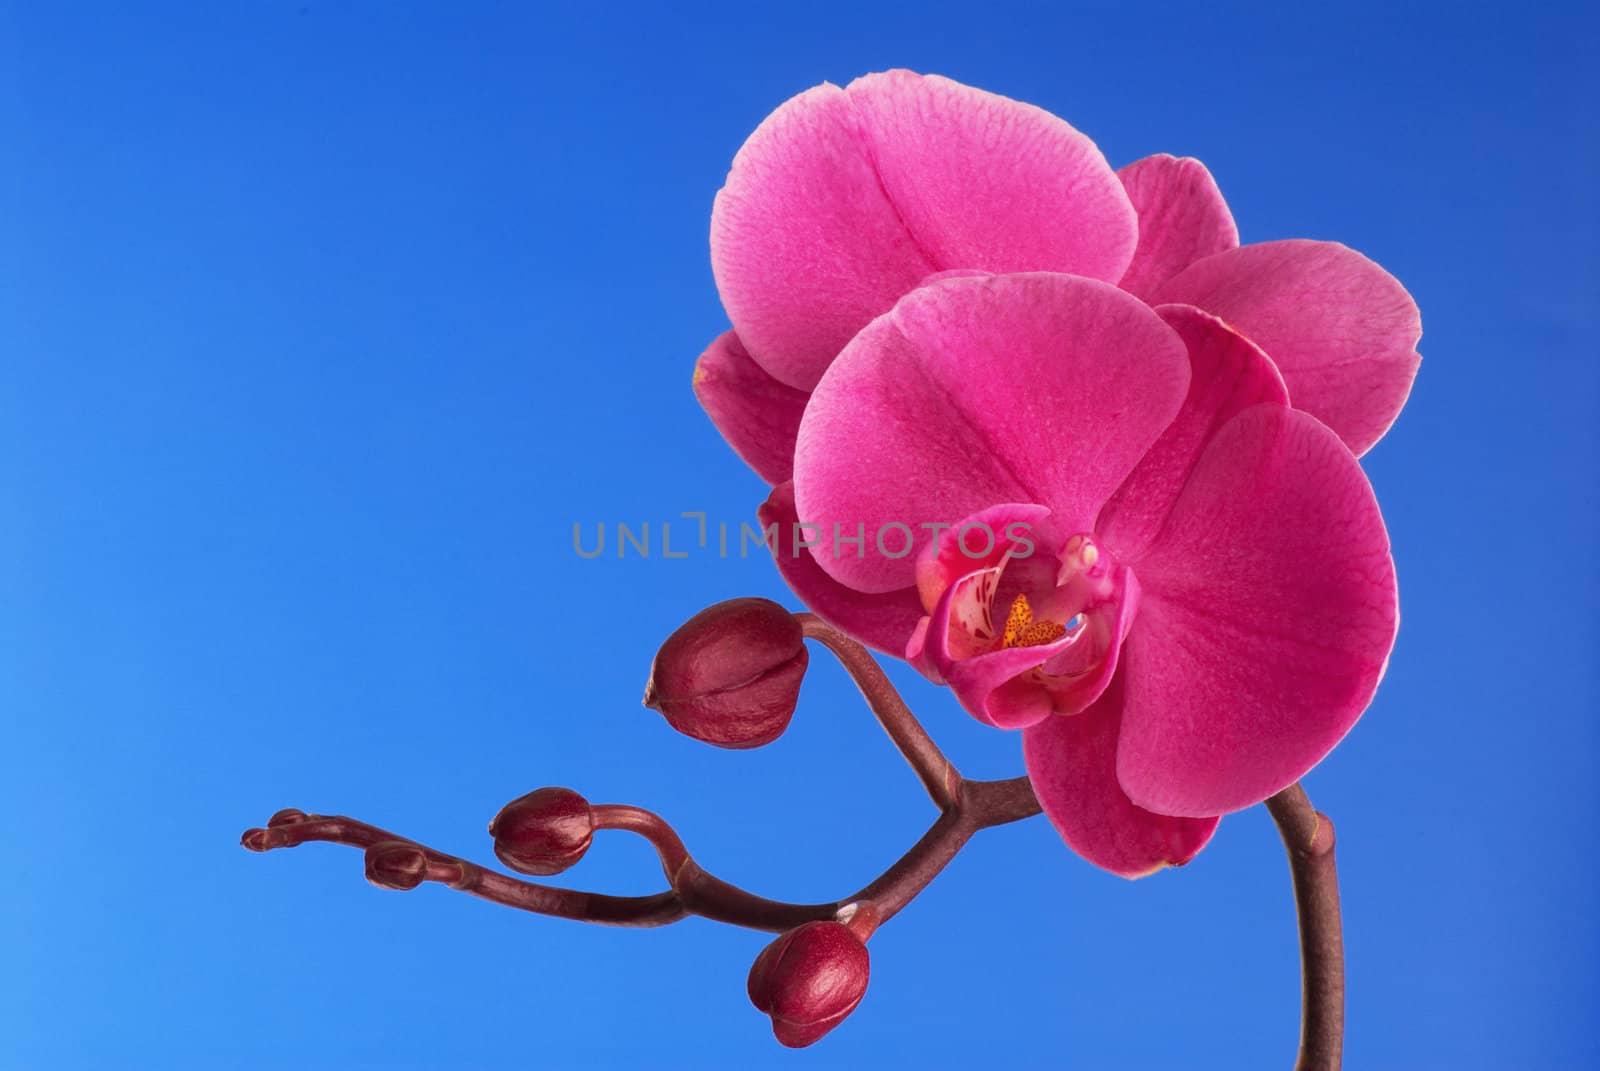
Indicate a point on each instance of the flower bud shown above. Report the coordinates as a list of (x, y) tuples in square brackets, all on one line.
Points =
[(393, 864), (808, 980), (544, 832), (289, 816), (731, 675)]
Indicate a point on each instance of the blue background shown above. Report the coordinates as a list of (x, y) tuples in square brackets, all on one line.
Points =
[(322, 323)]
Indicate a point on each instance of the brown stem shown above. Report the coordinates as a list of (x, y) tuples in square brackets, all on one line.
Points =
[(649, 825), (965, 806), (937, 775), (981, 804), (290, 827), (694, 891), (1308, 836)]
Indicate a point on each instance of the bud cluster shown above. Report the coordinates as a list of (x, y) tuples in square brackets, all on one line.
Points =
[(730, 676)]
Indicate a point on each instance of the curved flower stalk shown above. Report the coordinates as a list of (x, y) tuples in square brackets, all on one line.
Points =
[(1177, 585), (815, 973), (845, 199), (813, 976)]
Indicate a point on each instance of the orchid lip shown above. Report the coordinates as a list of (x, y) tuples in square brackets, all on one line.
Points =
[(1049, 625)]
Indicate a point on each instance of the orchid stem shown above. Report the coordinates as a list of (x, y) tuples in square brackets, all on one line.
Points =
[(938, 776), (965, 806), (693, 891), (289, 828), (1308, 837)]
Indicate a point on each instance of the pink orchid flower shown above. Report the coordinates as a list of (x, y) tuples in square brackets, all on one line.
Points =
[(845, 199), (1176, 584)]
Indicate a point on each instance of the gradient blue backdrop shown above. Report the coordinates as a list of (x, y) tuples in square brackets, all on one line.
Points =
[(323, 322)]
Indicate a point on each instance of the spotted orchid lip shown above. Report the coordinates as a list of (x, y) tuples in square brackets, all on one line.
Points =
[(1055, 647)]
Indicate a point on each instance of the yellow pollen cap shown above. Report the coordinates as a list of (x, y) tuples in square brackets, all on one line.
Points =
[(1023, 631)]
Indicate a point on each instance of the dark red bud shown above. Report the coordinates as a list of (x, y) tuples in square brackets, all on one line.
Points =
[(393, 864), (544, 832), (731, 675), (808, 980)]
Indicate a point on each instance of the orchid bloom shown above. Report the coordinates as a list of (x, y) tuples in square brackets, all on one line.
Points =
[(1103, 524), (843, 200)]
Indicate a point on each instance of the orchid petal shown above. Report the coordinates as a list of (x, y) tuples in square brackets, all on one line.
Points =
[(1071, 761), (974, 391), (1268, 613), (1341, 329), (885, 622), (1228, 374), (983, 181), (805, 246), (1182, 218), (843, 199), (757, 415)]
